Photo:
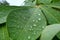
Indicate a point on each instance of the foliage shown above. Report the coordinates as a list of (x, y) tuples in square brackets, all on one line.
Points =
[(36, 20)]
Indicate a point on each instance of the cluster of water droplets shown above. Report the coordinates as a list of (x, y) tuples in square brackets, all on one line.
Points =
[(34, 25), (31, 27)]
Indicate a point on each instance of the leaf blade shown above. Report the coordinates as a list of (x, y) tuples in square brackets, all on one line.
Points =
[(55, 5), (50, 31), (25, 29), (45, 1), (52, 15), (4, 11)]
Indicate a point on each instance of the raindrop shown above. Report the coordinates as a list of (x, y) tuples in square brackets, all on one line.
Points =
[(34, 25), (30, 26), (33, 20), (38, 14), (36, 20), (43, 27), (29, 37), (39, 19)]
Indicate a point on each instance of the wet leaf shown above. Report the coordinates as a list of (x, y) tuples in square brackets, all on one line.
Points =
[(26, 23)]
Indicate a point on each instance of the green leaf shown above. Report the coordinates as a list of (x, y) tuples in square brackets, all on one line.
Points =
[(26, 23), (3, 32), (50, 31), (55, 5), (52, 15), (58, 35), (54, 1), (4, 11), (45, 1)]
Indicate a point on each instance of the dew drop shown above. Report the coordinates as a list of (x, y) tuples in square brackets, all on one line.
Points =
[(34, 25), (29, 37), (38, 14), (30, 26), (36, 20), (33, 20), (39, 19), (43, 27)]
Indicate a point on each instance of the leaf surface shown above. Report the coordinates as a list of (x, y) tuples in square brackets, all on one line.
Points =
[(26, 23), (50, 31), (58, 35), (45, 1), (4, 11), (55, 5), (54, 1), (52, 15)]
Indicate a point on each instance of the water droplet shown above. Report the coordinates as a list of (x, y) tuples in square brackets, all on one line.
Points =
[(38, 14), (33, 20), (36, 20), (43, 27), (30, 26), (39, 19), (29, 37), (34, 25)]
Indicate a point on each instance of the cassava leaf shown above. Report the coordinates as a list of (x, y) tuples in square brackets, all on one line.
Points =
[(45, 1), (54, 1), (51, 14), (56, 5), (4, 11), (26, 23), (50, 31), (4, 32), (58, 35)]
